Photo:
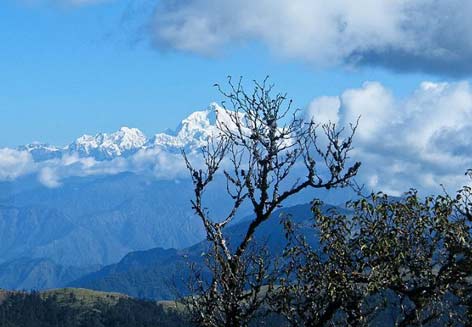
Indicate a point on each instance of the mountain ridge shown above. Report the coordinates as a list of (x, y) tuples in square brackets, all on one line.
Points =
[(160, 274), (191, 134)]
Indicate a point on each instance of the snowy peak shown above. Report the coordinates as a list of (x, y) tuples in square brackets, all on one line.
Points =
[(200, 121), (191, 134), (126, 139), (105, 146), (37, 146), (193, 131), (42, 151)]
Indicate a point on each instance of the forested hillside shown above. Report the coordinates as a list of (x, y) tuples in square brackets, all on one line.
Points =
[(76, 307)]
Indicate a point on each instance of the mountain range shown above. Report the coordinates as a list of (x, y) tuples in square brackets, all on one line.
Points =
[(191, 134), (162, 274), (53, 233)]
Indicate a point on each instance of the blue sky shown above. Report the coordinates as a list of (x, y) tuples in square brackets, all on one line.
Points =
[(68, 70), (70, 67)]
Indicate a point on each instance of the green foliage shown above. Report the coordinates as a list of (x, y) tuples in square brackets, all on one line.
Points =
[(410, 257)]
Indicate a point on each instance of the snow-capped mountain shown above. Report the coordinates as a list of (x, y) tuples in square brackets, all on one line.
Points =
[(41, 151), (105, 146), (192, 133)]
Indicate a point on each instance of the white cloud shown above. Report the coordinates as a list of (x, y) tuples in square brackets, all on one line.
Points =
[(373, 104), (421, 141), (432, 36), (154, 162), (428, 35), (14, 163), (48, 177), (163, 165), (324, 110)]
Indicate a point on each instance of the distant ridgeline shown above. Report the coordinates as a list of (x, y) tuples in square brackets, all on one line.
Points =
[(50, 237), (162, 274)]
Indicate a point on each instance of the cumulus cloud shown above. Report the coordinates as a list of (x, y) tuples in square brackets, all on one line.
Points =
[(14, 163), (420, 141), (324, 110), (162, 164), (407, 35)]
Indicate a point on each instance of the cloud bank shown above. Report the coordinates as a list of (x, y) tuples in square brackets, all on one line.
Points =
[(421, 141), (51, 173), (14, 163), (432, 36)]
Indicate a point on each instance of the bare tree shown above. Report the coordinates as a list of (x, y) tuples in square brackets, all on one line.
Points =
[(260, 143)]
